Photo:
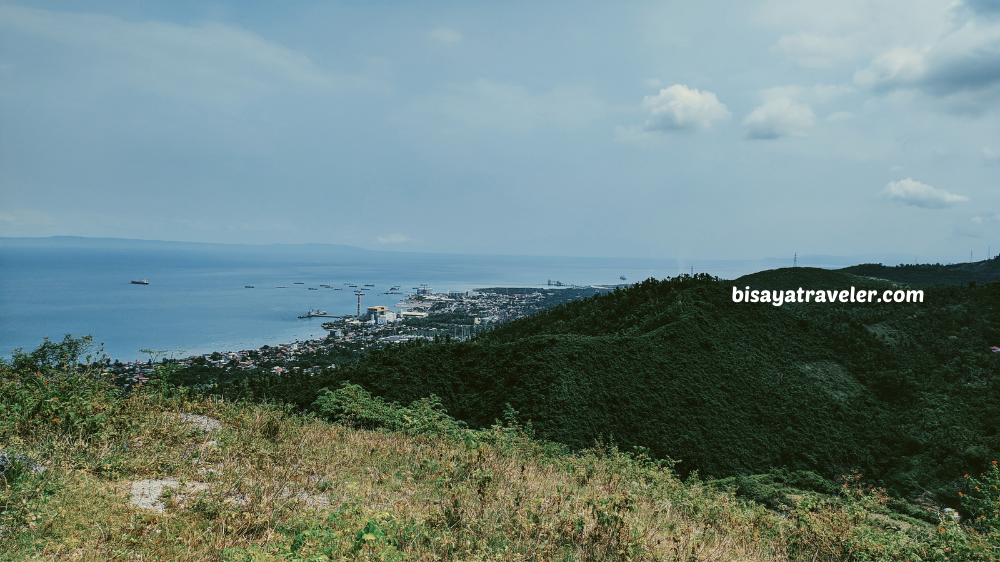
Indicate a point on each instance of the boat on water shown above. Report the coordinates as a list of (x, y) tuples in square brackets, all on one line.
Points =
[(338, 288), (139, 281), (313, 288), (352, 285), (299, 283), (314, 314), (248, 286), (281, 287), (369, 284), (622, 278)]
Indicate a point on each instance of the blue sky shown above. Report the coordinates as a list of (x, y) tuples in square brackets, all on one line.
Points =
[(726, 130)]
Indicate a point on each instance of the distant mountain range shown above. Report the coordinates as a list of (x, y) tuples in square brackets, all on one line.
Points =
[(657, 267)]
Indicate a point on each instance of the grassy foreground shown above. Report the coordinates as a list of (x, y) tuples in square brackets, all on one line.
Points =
[(382, 482)]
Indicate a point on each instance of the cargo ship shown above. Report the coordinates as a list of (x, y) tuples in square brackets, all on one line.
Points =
[(317, 314), (139, 281)]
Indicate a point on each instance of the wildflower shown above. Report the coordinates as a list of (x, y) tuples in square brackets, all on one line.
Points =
[(55, 419), (966, 476), (960, 493)]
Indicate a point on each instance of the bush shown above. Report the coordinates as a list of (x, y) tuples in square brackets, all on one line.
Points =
[(981, 500), (354, 406), (54, 388)]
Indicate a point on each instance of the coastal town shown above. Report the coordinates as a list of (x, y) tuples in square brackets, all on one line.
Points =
[(422, 315)]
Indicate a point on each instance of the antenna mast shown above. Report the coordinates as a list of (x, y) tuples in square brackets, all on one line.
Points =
[(795, 260)]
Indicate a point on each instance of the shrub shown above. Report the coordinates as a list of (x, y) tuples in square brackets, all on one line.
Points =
[(981, 500), (354, 406), (54, 388)]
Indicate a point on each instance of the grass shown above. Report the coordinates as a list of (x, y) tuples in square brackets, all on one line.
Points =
[(283, 486), (363, 479)]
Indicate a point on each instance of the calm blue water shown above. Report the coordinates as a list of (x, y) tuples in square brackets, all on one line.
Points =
[(196, 300)]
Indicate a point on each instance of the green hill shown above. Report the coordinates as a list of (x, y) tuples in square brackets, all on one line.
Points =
[(905, 393), (987, 271), (170, 473)]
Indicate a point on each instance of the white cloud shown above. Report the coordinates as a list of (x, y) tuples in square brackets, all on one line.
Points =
[(827, 33), (892, 68), (780, 117), (962, 65), (942, 48), (918, 194), (392, 239), (445, 35), (212, 64), (487, 104), (681, 108), (978, 227)]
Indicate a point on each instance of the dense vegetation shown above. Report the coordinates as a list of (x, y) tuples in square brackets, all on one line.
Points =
[(987, 271), (366, 479), (904, 393)]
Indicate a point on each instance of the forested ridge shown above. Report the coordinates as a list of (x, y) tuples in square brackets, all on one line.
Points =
[(986, 271), (850, 426), (904, 393)]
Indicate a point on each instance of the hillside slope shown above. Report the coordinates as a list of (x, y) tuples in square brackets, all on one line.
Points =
[(986, 271), (168, 473), (903, 392)]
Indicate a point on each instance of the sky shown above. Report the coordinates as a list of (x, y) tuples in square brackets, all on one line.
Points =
[(714, 129)]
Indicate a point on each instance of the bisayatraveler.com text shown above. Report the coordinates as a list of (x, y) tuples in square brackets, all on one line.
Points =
[(778, 298)]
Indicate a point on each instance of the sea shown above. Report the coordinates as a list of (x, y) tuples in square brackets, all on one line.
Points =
[(198, 298)]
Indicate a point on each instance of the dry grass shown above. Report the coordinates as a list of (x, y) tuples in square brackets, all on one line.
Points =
[(287, 487)]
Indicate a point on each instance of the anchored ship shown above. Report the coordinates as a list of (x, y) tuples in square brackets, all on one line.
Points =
[(314, 314), (139, 281)]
